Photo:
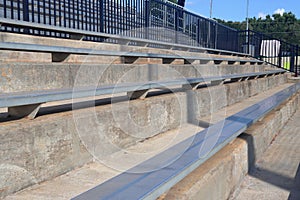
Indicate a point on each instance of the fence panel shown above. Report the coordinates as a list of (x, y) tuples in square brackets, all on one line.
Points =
[(270, 50), (158, 20)]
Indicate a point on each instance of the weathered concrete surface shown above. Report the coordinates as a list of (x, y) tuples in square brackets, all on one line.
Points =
[(92, 174), (27, 77), (220, 176), (276, 175), (293, 79), (216, 178), (51, 145), (13, 56), (232, 159)]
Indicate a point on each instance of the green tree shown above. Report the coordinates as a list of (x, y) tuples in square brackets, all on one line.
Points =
[(285, 27)]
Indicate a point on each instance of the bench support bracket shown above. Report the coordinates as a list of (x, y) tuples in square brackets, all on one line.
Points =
[(192, 86), (138, 94), (29, 111), (217, 82)]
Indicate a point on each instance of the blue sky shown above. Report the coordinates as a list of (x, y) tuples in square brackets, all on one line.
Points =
[(235, 10)]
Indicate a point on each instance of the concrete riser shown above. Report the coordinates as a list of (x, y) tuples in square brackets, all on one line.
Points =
[(28, 77), (38, 150), (222, 174)]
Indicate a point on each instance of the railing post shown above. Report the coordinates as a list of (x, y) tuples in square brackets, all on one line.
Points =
[(248, 41), (216, 35), (26, 14), (199, 34), (296, 66), (25, 10), (292, 59), (176, 26), (102, 15), (147, 18)]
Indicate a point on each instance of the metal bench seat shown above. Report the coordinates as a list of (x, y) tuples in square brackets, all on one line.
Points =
[(152, 184), (28, 103), (61, 50)]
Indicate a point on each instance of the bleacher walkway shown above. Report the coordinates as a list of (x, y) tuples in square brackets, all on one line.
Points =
[(277, 174)]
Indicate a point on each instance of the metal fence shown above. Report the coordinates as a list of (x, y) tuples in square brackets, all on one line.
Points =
[(270, 50), (133, 18), (158, 20)]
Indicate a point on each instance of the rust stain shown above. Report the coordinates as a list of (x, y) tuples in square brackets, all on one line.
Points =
[(3, 189), (3, 73)]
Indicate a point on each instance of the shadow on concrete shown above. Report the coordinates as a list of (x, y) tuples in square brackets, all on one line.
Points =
[(193, 110), (273, 178)]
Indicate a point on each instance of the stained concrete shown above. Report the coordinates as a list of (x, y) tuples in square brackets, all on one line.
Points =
[(52, 144), (229, 165), (17, 77), (276, 175)]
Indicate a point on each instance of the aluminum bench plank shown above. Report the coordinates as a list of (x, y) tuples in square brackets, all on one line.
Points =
[(152, 184), (88, 51), (27, 98)]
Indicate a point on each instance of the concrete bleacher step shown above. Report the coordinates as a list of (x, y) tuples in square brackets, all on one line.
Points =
[(62, 151), (92, 174), (48, 146), (22, 104), (19, 77)]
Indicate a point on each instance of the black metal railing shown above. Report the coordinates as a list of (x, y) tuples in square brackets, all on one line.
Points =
[(270, 50), (134, 18), (157, 20)]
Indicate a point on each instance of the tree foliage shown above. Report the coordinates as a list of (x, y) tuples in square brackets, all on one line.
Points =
[(285, 27)]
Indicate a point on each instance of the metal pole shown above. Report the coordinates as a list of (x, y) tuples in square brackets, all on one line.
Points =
[(147, 18), (176, 25), (26, 14), (210, 11), (247, 28), (209, 25), (247, 16), (25, 10), (296, 65)]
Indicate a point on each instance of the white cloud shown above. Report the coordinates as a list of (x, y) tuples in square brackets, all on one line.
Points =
[(279, 11), (262, 15)]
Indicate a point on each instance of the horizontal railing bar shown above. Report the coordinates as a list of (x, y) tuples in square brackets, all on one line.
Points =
[(150, 185)]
